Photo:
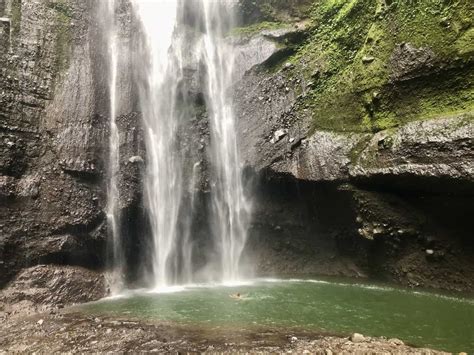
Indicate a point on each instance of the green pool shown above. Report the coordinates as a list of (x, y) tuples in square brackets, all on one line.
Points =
[(419, 318)]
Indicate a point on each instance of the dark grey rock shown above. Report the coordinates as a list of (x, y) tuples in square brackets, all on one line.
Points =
[(440, 149), (408, 62)]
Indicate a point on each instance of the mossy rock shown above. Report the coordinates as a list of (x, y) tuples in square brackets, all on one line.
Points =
[(378, 64), (256, 11)]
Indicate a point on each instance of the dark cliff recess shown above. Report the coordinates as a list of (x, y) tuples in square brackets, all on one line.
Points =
[(328, 228)]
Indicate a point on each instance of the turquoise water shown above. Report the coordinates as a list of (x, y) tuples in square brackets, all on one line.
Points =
[(418, 318)]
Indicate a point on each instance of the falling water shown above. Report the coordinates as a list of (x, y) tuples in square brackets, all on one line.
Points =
[(164, 176), (168, 47), (113, 210), (231, 208)]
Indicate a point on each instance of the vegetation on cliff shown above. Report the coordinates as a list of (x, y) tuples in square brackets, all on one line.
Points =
[(372, 65)]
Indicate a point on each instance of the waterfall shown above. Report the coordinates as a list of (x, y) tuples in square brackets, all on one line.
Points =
[(229, 217), (158, 99), (113, 194), (166, 48), (231, 208)]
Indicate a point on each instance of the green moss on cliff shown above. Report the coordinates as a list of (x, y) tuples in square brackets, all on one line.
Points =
[(15, 13), (273, 10), (378, 64), (257, 28), (63, 15)]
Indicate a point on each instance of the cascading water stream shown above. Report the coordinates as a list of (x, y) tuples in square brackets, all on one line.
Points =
[(113, 194), (164, 179), (231, 208)]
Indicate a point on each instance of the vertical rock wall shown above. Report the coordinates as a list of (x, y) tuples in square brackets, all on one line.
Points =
[(51, 137)]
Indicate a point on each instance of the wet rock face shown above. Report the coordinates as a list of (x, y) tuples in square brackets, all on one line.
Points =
[(4, 33), (440, 152), (51, 138), (417, 240), (43, 288), (300, 228), (251, 11)]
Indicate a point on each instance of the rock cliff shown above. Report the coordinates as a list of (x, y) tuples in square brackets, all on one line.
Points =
[(364, 111), (355, 120)]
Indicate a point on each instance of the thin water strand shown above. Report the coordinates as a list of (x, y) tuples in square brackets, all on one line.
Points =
[(231, 207), (113, 194)]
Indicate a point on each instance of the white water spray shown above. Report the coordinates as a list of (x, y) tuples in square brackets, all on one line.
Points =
[(113, 194), (231, 208)]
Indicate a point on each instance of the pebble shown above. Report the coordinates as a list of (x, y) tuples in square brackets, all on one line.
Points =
[(368, 59), (40, 322), (357, 338)]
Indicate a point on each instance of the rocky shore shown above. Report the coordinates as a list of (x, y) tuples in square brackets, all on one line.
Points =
[(71, 332)]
